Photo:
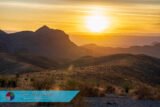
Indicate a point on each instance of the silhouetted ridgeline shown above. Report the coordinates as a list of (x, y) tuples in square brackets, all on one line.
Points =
[(50, 43), (56, 45)]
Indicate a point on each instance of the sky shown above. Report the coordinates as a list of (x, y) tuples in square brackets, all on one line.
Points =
[(124, 16)]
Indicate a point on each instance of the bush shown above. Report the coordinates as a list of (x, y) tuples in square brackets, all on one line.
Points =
[(43, 84), (120, 91), (141, 92), (110, 89), (71, 84), (91, 91), (126, 86), (5, 83), (157, 96), (12, 83), (2, 83), (85, 89)]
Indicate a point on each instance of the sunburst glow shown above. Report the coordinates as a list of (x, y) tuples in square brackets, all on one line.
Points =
[(97, 23)]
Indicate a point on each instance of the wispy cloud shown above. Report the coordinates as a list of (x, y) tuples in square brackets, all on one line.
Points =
[(68, 14), (85, 1)]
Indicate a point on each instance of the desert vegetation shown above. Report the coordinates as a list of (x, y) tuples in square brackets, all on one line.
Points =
[(96, 77)]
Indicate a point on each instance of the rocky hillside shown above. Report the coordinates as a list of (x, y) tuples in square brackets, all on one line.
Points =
[(123, 66)]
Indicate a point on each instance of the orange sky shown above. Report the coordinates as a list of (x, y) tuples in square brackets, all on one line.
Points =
[(125, 17)]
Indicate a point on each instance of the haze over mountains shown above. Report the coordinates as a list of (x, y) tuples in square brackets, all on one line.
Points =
[(56, 45), (51, 49), (116, 39), (151, 50)]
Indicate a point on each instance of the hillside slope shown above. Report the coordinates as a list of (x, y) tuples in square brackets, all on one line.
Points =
[(24, 63), (151, 50), (124, 66)]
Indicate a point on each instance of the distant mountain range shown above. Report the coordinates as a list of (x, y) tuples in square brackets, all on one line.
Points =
[(151, 50), (47, 49), (124, 40), (56, 45)]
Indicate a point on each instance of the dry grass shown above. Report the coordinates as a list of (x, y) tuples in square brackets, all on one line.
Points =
[(43, 84)]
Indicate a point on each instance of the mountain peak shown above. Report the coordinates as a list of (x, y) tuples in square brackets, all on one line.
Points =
[(43, 28), (2, 32)]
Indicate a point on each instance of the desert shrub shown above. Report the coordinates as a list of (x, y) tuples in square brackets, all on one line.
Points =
[(120, 91), (110, 89), (141, 92), (43, 83), (157, 96), (12, 83), (90, 91), (71, 84), (86, 90), (2, 83), (31, 79), (8, 83), (126, 86)]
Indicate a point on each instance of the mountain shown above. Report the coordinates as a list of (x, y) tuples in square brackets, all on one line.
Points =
[(122, 66), (9, 64), (56, 45), (24, 63), (4, 41), (117, 39), (151, 50), (50, 43)]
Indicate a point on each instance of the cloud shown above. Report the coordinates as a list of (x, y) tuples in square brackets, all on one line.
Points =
[(85, 1), (120, 1)]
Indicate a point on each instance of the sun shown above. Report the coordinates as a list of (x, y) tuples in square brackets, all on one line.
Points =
[(97, 23)]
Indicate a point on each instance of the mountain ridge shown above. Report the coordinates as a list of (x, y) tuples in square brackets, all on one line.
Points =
[(51, 43), (151, 50), (55, 44)]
